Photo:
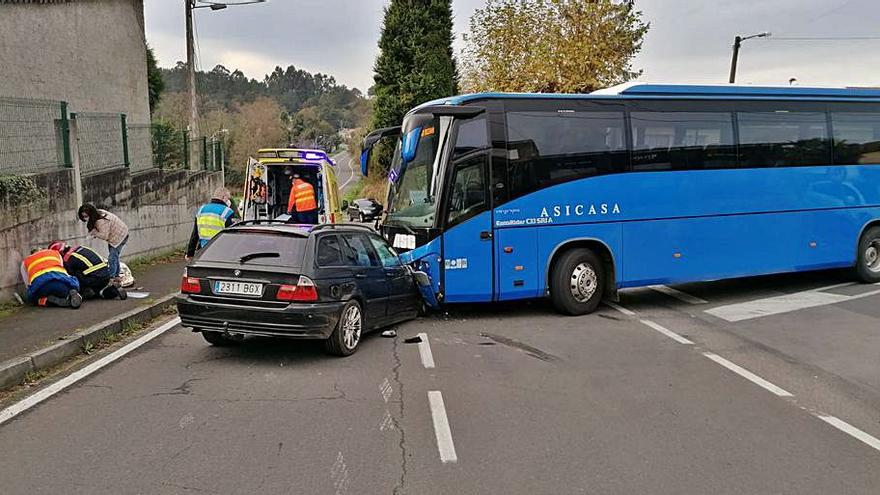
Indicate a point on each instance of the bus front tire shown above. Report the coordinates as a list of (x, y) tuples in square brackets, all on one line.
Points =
[(868, 262), (578, 282)]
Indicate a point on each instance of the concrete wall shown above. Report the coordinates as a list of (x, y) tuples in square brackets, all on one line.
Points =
[(89, 53), (158, 206)]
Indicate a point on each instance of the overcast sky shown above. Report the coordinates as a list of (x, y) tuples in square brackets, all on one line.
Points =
[(689, 40)]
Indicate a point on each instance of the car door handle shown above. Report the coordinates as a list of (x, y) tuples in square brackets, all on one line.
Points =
[(485, 235), (360, 275)]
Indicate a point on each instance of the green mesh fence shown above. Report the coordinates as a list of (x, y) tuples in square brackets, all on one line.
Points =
[(140, 147), (31, 138), (99, 139)]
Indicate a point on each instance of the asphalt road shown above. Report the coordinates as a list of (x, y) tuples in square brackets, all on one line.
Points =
[(348, 171), (704, 390)]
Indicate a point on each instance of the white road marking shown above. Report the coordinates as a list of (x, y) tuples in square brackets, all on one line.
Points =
[(748, 375), (785, 303), (851, 430), (350, 176), (45, 393), (669, 333), (425, 351), (441, 427), (385, 389), (620, 308), (841, 425), (681, 296)]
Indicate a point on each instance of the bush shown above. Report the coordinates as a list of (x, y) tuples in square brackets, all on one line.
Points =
[(18, 190)]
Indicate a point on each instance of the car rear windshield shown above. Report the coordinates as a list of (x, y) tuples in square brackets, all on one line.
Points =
[(256, 248)]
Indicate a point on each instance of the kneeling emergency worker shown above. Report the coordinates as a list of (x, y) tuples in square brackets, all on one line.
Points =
[(48, 283), (91, 270)]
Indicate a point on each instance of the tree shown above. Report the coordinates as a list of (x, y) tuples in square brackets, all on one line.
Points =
[(155, 82), (415, 63), (552, 46)]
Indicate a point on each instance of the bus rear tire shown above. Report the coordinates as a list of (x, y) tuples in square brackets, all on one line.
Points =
[(577, 282), (868, 262)]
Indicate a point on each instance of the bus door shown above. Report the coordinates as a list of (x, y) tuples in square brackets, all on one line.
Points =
[(468, 238)]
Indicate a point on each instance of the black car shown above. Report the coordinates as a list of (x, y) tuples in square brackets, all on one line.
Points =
[(330, 282), (363, 210)]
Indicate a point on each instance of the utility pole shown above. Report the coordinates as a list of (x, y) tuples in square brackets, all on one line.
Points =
[(191, 71), (737, 42)]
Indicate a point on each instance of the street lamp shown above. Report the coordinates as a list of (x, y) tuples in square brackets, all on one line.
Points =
[(736, 44), (190, 62)]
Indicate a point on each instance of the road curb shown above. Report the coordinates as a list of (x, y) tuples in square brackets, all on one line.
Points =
[(14, 371)]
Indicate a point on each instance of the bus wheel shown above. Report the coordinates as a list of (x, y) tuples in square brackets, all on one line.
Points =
[(578, 282), (868, 264)]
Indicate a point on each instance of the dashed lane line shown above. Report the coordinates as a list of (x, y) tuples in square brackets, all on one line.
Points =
[(445, 446), (665, 331), (748, 375), (851, 430), (45, 393), (681, 296), (425, 351), (838, 423)]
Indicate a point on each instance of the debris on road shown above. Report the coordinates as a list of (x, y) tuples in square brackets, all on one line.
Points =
[(389, 333), (139, 295), (413, 340)]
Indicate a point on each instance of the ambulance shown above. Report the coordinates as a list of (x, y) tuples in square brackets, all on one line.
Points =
[(268, 183)]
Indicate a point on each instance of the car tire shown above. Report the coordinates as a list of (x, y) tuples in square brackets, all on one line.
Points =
[(577, 282), (349, 330), (361, 218), (220, 340), (868, 259)]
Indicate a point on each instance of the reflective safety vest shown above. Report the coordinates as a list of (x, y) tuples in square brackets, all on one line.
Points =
[(210, 220), (41, 263), (82, 262), (302, 197)]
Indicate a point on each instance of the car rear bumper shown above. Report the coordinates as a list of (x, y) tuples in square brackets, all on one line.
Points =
[(301, 321)]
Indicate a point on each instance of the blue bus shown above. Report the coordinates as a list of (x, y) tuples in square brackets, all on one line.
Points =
[(499, 197)]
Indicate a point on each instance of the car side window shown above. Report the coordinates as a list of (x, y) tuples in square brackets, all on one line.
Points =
[(329, 251), (361, 251), (386, 254)]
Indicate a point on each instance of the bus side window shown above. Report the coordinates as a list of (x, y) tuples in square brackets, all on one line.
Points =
[(468, 196), (856, 138)]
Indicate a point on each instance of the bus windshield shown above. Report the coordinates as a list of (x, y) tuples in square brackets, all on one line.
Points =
[(412, 198)]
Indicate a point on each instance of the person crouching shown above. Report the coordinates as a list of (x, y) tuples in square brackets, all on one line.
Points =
[(48, 283), (90, 269)]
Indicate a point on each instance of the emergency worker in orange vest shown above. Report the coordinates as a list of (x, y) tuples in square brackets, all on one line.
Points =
[(48, 283), (302, 205)]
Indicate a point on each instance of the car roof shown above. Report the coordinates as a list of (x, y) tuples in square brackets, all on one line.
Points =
[(303, 230)]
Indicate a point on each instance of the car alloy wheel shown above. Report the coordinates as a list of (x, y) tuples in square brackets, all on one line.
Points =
[(351, 326)]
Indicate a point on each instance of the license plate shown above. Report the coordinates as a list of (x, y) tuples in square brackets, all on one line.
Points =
[(238, 288)]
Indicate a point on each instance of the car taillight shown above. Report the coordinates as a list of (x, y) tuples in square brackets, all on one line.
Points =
[(304, 290), (190, 285)]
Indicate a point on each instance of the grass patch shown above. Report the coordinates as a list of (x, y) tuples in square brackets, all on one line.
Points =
[(138, 265), (32, 377), (9, 309), (354, 192)]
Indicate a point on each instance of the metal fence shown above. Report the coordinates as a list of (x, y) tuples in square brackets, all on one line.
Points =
[(33, 136), (100, 142), (140, 147)]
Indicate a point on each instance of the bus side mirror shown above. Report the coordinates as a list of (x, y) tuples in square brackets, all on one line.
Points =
[(365, 161), (370, 140)]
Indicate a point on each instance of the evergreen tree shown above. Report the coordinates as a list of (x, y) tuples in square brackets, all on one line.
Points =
[(155, 82), (416, 61)]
